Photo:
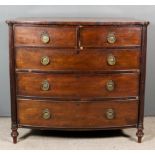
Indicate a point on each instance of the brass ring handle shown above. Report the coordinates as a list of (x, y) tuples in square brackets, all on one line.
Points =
[(45, 85), (45, 38), (110, 114), (46, 114), (111, 60), (45, 60), (111, 38), (110, 85)]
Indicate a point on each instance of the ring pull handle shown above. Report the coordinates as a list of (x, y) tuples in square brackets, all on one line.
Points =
[(111, 38), (45, 60), (45, 85), (46, 114), (110, 85), (45, 38), (110, 114), (111, 60)]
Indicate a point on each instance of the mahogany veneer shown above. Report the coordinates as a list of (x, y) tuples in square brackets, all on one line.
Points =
[(77, 74), (85, 86), (70, 60), (77, 114)]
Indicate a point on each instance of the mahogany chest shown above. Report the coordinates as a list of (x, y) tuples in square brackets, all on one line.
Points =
[(77, 74)]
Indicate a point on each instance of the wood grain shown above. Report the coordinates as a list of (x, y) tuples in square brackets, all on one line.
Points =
[(96, 36), (59, 36), (81, 86), (85, 60), (76, 114)]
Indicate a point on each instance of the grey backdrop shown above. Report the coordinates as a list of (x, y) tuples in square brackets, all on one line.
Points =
[(138, 12)]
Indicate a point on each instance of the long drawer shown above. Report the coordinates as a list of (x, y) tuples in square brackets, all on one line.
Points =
[(76, 85), (86, 60), (67, 114)]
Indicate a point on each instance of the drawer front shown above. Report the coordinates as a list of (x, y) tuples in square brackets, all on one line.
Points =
[(66, 85), (45, 36), (78, 115), (87, 60), (110, 36)]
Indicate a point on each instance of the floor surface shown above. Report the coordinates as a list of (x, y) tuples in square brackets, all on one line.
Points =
[(94, 140)]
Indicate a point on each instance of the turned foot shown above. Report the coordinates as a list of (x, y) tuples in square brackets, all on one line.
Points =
[(14, 135), (140, 134)]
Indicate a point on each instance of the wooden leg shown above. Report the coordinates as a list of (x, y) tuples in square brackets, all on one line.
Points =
[(14, 135), (140, 134)]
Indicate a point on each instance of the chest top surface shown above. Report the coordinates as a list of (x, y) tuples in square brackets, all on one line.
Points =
[(77, 21)]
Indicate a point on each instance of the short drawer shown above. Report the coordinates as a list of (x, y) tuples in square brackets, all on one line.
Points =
[(73, 114), (69, 60), (53, 36), (110, 36), (76, 85)]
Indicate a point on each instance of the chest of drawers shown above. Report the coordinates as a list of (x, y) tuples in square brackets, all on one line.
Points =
[(77, 74)]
